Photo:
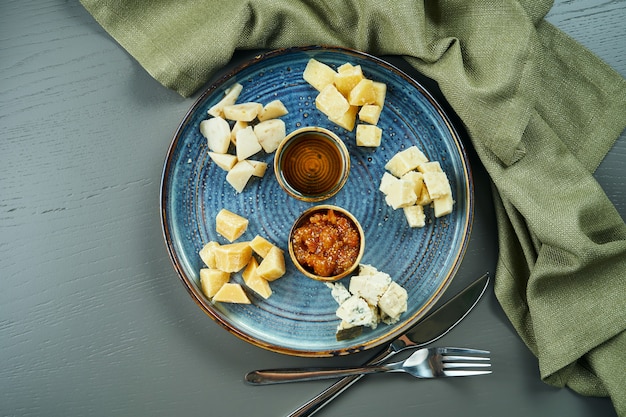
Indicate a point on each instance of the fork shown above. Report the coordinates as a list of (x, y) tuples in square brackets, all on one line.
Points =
[(424, 363)]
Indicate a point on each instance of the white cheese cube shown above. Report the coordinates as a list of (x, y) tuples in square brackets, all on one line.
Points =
[(365, 269), (245, 112), (225, 161), (270, 133), (247, 143), (437, 184), (415, 178), (443, 205), (230, 97), (217, 133), (401, 194), (415, 216), (272, 110), (386, 181), (239, 175)]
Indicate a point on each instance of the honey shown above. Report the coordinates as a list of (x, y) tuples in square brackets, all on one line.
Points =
[(312, 165)]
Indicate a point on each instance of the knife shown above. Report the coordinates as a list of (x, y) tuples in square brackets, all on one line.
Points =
[(431, 328)]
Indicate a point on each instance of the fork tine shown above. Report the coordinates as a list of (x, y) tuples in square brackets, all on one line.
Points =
[(465, 373), (462, 351), (451, 365), (464, 358)]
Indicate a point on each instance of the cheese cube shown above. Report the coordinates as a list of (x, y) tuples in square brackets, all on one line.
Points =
[(272, 110), (230, 97), (365, 269), (261, 246), (443, 205), (400, 194), (368, 135), (437, 184), (247, 143), (270, 133), (362, 93), (370, 287), (230, 225), (254, 281), (217, 133), (272, 266), (338, 291), (424, 198), (386, 182), (330, 102), (346, 120), (405, 161), (245, 112), (225, 161), (347, 78), (236, 128), (318, 74), (231, 293), (415, 178), (232, 257), (370, 113), (393, 302), (207, 254), (239, 175), (211, 280), (259, 167), (381, 93), (432, 166), (415, 216)]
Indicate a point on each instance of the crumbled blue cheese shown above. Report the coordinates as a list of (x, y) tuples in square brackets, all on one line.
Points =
[(372, 297), (355, 311)]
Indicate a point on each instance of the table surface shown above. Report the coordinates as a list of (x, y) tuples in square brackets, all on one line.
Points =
[(93, 318)]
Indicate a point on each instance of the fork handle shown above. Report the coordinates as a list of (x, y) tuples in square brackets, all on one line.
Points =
[(280, 376)]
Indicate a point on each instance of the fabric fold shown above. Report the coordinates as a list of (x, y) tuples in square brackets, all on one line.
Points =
[(540, 110)]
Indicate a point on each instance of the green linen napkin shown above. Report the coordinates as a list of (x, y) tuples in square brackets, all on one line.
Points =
[(541, 112)]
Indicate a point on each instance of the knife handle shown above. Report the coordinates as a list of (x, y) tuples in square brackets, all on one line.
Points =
[(316, 403)]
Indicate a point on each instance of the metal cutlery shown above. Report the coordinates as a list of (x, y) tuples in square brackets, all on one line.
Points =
[(424, 363)]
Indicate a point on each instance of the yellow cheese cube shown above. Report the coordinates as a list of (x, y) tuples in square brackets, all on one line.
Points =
[(207, 254), (230, 225), (362, 93), (253, 281), (273, 265), (405, 161), (370, 113), (348, 119), (261, 246), (318, 74), (386, 181), (415, 216), (424, 198), (330, 102), (232, 257), (231, 293), (381, 93), (347, 78), (368, 135), (211, 280)]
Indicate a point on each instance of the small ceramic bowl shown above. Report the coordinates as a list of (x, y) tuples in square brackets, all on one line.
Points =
[(312, 164), (323, 257)]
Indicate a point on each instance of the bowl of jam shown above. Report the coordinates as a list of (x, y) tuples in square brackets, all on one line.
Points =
[(312, 164), (326, 243)]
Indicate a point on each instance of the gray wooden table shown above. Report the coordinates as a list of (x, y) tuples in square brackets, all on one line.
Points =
[(93, 319)]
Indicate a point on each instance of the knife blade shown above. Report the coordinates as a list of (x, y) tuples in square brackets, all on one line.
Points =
[(428, 330)]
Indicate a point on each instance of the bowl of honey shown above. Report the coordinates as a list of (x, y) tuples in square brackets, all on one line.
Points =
[(312, 164)]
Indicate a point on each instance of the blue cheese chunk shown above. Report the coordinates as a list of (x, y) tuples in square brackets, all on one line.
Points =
[(393, 303), (338, 292), (370, 287), (355, 311)]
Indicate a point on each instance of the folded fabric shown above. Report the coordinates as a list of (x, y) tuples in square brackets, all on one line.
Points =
[(540, 110)]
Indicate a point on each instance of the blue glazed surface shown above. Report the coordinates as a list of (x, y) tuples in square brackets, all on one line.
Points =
[(299, 318)]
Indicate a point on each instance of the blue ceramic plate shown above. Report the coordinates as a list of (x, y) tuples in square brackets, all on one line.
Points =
[(299, 318)]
